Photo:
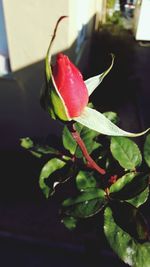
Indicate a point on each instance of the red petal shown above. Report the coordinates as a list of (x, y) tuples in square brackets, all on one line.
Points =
[(70, 85)]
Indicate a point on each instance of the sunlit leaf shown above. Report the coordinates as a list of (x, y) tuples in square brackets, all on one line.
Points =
[(98, 122), (26, 142), (126, 152), (68, 141), (140, 199), (130, 251), (129, 186), (85, 180), (48, 170)]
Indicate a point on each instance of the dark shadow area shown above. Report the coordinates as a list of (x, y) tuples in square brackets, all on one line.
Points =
[(120, 89), (24, 211), (30, 253), (126, 88)]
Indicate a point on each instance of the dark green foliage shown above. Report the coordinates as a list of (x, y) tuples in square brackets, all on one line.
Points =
[(86, 204), (147, 150), (126, 152), (120, 192), (126, 247), (129, 186)]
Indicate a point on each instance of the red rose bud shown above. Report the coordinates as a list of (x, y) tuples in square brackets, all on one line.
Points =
[(70, 85)]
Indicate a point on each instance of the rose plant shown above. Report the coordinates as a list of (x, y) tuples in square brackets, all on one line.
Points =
[(98, 158)]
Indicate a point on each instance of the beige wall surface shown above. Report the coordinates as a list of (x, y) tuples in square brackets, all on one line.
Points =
[(30, 24), (29, 27)]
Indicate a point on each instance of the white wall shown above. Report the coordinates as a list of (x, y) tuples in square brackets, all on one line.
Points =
[(142, 21)]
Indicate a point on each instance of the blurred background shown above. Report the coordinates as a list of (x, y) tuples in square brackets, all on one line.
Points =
[(30, 230)]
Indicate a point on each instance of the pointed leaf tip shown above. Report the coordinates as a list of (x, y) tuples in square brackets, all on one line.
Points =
[(93, 82), (98, 122), (126, 152)]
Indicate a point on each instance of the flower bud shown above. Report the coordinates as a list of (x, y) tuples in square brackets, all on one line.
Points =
[(70, 85)]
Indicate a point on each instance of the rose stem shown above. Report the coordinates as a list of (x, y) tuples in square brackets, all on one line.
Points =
[(91, 163)]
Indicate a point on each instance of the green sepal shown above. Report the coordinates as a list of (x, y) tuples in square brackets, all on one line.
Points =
[(56, 103), (96, 121)]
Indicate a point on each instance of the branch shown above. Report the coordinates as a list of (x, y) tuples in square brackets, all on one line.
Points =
[(91, 163)]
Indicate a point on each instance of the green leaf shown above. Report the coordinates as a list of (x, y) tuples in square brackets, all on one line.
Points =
[(147, 150), (129, 186), (130, 251), (46, 150), (139, 199), (36, 149), (86, 204), (112, 116), (98, 122), (130, 220), (26, 143), (93, 82), (70, 222), (49, 169), (68, 141), (85, 180), (85, 196), (36, 154), (39, 150), (126, 152)]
